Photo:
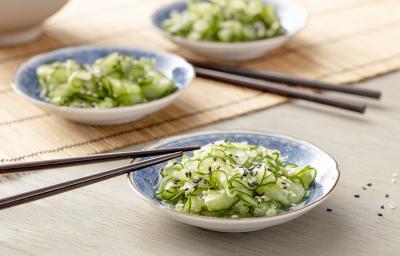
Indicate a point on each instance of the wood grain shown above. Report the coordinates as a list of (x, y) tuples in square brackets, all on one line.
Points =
[(329, 49), (110, 219)]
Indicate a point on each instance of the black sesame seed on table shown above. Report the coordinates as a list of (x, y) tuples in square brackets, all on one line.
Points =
[(382, 207), (380, 214), (357, 196), (369, 184), (387, 195), (364, 188), (328, 209)]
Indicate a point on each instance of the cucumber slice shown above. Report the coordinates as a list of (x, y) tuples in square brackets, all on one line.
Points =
[(157, 87), (296, 192), (197, 204), (307, 176), (219, 200), (219, 178), (209, 164), (248, 199), (275, 192), (191, 165)]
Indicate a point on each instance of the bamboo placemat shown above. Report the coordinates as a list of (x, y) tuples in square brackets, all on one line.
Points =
[(345, 41)]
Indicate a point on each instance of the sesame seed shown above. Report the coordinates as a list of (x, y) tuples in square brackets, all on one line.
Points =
[(393, 181), (387, 195), (357, 196), (369, 184), (380, 214), (392, 206), (328, 209), (364, 188), (284, 187), (382, 207), (214, 158)]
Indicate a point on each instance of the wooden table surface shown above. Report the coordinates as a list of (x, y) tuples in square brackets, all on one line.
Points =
[(108, 218)]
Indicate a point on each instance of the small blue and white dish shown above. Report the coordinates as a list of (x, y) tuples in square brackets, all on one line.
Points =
[(293, 18), (174, 67), (293, 150)]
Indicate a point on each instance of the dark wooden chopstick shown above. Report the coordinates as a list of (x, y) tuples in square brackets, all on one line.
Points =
[(290, 80), (41, 164), (77, 183), (265, 86)]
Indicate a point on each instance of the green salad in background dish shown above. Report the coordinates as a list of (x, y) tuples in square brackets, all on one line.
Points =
[(228, 179), (225, 21), (113, 81)]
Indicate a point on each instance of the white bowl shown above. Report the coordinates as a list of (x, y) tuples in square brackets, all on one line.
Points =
[(293, 19), (173, 66), (145, 182), (20, 20)]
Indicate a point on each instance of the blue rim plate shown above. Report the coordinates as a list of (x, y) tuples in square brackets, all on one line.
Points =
[(293, 18), (298, 151), (173, 66)]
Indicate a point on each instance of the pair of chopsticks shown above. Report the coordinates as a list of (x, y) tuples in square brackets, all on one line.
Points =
[(257, 79), (170, 153)]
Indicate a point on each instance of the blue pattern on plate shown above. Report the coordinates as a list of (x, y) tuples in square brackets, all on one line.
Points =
[(288, 14), (173, 67), (292, 150)]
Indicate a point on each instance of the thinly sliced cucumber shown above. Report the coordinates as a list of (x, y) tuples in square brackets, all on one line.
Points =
[(275, 192), (219, 178), (191, 165), (248, 199), (271, 178), (211, 163), (296, 192), (193, 205), (307, 176), (219, 200), (209, 183)]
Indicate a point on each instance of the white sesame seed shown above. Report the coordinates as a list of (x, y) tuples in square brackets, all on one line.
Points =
[(393, 181), (392, 206)]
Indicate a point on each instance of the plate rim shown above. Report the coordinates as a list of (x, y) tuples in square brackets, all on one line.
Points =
[(251, 219)]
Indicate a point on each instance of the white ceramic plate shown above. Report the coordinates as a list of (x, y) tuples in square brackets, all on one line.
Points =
[(293, 18), (297, 151), (173, 66)]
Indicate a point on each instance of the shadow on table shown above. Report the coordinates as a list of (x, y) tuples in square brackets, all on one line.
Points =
[(303, 236)]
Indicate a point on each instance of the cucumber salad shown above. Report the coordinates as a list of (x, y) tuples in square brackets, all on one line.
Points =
[(113, 81), (234, 180), (225, 21)]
